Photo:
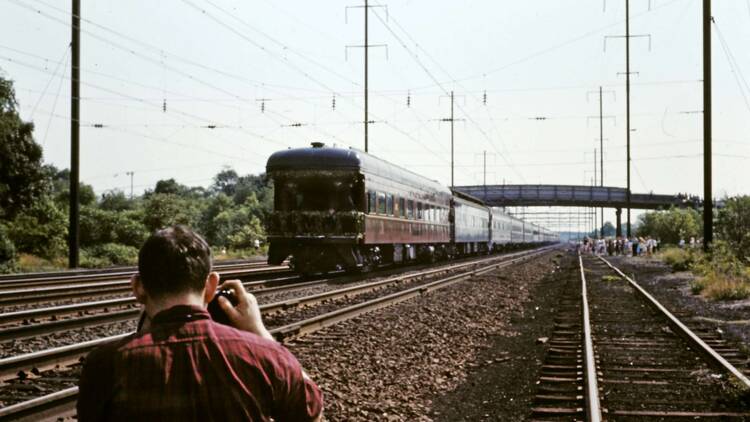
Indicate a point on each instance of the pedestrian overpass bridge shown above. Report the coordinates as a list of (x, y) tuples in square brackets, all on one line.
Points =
[(574, 196)]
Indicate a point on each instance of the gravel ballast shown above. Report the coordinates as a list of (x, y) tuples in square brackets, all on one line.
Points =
[(412, 360)]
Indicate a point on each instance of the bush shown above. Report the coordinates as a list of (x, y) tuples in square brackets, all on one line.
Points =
[(733, 226), (7, 252), (679, 259), (41, 230), (108, 254), (722, 276)]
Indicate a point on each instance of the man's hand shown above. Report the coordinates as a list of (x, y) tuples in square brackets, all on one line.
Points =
[(246, 315)]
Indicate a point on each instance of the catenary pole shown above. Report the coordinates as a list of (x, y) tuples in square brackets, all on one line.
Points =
[(708, 218), (74, 134), (601, 157), (367, 120), (452, 140), (627, 105)]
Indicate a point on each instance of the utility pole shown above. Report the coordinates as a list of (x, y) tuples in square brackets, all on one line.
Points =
[(451, 139), (130, 173), (366, 46), (593, 185), (601, 157), (366, 79), (452, 120), (627, 102), (484, 154), (708, 215), (74, 134), (627, 37)]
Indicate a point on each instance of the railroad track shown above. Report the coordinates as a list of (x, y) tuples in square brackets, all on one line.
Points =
[(88, 288), (32, 280), (37, 363), (616, 353), (36, 322)]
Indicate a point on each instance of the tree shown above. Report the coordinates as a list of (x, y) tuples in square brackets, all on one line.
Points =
[(7, 251), (42, 229), (59, 188), (21, 176), (225, 182), (161, 210), (670, 226), (609, 229), (115, 201), (170, 186), (733, 225)]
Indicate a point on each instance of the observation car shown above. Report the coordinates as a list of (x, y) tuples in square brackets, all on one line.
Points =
[(344, 209)]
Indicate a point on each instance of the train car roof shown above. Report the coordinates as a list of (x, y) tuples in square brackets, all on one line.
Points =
[(321, 157)]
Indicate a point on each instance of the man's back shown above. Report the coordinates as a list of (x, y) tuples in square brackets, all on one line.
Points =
[(187, 367)]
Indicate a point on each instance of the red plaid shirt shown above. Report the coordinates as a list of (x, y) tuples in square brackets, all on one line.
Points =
[(188, 368)]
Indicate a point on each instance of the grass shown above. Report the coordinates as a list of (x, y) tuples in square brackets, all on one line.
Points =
[(678, 259), (611, 278), (719, 274), (27, 263), (718, 286)]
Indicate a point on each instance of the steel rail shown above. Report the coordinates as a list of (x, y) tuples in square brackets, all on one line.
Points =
[(36, 313), (93, 276), (593, 404), (69, 396), (50, 358), (693, 339), (33, 295), (52, 407)]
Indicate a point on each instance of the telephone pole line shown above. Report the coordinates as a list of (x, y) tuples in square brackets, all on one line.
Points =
[(708, 216), (74, 133)]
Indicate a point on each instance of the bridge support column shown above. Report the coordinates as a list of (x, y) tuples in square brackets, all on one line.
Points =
[(618, 213)]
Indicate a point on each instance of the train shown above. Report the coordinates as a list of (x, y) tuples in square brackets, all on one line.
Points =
[(344, 209)]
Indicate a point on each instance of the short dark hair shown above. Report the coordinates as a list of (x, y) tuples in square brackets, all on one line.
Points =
[(174, 260)]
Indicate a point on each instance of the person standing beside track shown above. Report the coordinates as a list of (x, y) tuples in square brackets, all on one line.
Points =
[(182, 365)]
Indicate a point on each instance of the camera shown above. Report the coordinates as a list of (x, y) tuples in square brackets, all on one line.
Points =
[(218, 314)]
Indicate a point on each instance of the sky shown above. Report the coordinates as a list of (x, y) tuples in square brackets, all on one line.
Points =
[(184, 88)]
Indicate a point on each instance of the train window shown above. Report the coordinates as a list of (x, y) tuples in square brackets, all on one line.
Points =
[(371, 208), (410, 209), (420, 214), (389, 204), (402, 207), (381, 203)]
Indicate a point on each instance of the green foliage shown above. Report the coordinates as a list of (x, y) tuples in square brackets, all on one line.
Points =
[(7, 251), (22, 178), (59, 188), (115, 201), (670, 226), (225, 182), (40, 230), (733, 226), (166, 209), (225, 224), (721, 275), (679, 259), (108, 254), (100, 226)]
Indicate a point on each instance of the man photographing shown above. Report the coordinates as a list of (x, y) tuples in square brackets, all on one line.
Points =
[(183, 366)]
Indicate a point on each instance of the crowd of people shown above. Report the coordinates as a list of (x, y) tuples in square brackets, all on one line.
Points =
[(620, 245)]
